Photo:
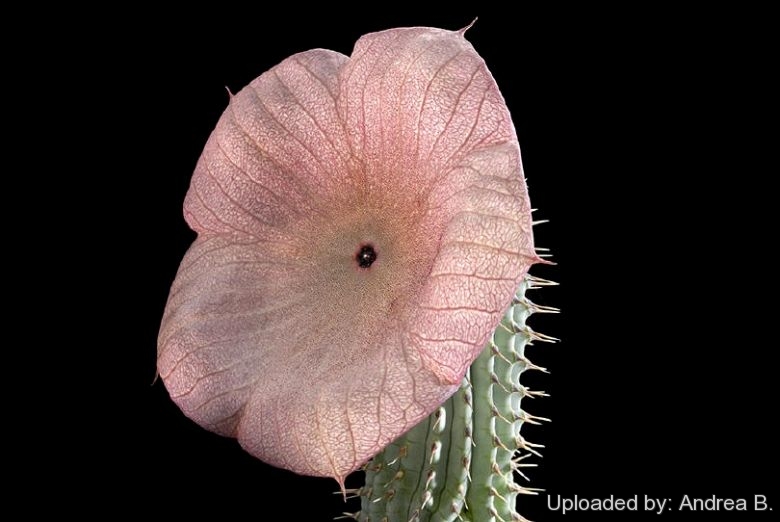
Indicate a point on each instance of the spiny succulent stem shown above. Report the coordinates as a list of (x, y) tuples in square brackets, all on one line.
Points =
[(460, 463)]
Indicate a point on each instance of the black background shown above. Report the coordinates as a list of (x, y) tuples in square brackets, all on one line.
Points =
[(662, 384)]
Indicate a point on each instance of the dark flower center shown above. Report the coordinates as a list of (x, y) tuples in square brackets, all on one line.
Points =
[(366, 256)]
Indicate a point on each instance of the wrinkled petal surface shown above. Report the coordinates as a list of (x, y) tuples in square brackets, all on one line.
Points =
[(273, 333)]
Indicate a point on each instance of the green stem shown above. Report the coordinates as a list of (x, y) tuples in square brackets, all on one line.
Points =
[(461, 463)]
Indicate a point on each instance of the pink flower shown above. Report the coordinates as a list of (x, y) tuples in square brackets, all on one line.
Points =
[(362, 224)]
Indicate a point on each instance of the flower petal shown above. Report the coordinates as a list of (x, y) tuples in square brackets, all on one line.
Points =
[(273, 332), (421, 102)]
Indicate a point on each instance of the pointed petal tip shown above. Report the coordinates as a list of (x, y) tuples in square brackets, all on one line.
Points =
[(340, 481), (462, 32), (538, 260)]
